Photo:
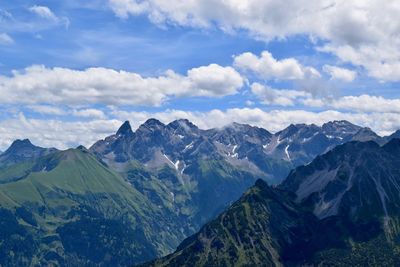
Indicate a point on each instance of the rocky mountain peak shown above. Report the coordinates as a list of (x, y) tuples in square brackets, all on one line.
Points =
[(396, 134), (21, 150), (152, 124), (366, 134), (260, 183), (288, 131), (240, 128), (298, 131), (82, 148), (342, 125), (236, 125), (125, 129), (18, 145), (183, 124)]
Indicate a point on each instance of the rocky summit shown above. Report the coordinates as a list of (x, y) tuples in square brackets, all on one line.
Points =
[(22, 150)]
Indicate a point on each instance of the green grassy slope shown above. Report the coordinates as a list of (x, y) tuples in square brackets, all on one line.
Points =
[(76, 210), (206, 189), (252, 232)]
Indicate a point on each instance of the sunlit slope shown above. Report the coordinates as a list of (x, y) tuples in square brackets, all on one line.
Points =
[(76, 210)]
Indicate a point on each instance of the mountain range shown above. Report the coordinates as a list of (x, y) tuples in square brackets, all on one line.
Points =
[(270, 155), (136, 195), (342, 209)]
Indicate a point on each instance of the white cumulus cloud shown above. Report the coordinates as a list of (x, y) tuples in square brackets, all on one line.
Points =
[(338, 73), (267, 67), (282, 97), (43, 11), (41, 85)]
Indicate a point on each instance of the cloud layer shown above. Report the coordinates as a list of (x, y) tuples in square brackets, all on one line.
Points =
[(299, 83), (364, 33)]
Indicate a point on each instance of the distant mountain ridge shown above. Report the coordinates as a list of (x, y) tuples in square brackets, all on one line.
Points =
[(254, 148), (23, 150)]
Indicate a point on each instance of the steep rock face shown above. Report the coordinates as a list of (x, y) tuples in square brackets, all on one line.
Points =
[(116, 146), (342, 209), (356, 180)]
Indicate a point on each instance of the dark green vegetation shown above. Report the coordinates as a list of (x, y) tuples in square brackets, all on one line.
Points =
[(340, 210), (251, 232)]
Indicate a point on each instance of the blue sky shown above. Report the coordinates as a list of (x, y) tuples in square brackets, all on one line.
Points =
[(70, 72)]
